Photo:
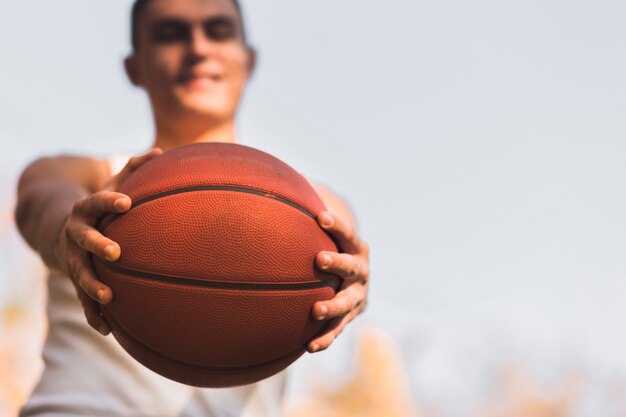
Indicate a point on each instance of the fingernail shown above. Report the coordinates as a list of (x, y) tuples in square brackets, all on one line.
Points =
[(121, 204), (103, 331), (109, 252), (100, 295), (315, 348), (326, 260), (323, 312), (327, 220)]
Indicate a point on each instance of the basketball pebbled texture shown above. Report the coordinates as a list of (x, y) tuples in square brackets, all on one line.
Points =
[(217, 279)]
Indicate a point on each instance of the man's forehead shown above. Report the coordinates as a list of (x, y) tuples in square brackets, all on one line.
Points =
[(189, 9)]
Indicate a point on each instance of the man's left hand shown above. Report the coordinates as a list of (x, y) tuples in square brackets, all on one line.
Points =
[(353, 266)]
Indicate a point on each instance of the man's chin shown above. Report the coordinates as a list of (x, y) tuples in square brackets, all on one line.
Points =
[(203, 110)]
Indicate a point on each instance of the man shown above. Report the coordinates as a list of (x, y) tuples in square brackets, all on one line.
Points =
[(192, 58)]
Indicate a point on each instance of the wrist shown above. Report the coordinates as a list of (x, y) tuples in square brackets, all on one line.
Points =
[(55, 250), (52, 241)]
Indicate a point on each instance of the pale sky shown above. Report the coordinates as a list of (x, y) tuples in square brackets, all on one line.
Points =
[(481, 145)]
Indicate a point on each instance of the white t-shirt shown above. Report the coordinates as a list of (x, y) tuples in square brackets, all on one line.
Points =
[(87, 374)]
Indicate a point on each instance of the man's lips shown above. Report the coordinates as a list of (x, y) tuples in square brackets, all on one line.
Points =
[(199, 81)]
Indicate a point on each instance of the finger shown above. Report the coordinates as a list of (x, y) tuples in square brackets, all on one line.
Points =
[(132, 165), (347, 300), (92, 313), (136, 161), (102, 202), (92, 241), (82, 274), (335, 327), (343, 232), (344, 265)]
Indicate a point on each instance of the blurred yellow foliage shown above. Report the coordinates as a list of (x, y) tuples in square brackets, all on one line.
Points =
[(378, 388), (12, 389), (22, 323), (518, 396)]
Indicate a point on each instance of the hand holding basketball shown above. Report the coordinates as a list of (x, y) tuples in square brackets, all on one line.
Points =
[(78, 238), (353, 266)]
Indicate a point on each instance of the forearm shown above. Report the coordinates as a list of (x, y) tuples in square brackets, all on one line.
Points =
[(46, 192), (41, 212)]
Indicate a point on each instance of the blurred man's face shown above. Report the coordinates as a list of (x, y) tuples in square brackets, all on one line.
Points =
[(191, 57)]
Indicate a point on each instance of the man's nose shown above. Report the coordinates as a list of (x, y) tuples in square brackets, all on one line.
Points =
[(199, 44)]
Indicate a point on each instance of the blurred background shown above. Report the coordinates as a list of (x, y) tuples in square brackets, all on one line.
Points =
[(481, 145)]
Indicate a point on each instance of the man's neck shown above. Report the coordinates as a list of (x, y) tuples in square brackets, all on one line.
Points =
[(169, 136)]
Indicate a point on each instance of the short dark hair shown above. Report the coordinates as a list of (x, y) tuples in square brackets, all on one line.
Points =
[(140, 5)]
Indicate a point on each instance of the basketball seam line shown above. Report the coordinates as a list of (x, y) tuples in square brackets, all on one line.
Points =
[(225, 285), (212, 188), (224, 188)]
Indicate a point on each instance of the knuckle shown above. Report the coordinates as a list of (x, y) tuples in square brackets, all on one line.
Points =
[(77, 207), (353, 270), (82, 237), (74, 271), (365, 272), (353, 301), (82, 284), (87, 202), (96, 197), (351, 235), (365, 248), (133, 163), (94, 200), (349, 303)]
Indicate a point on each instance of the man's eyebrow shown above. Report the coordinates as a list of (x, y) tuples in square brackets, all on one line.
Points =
[(174, 21), (169, 21), (220, 18)]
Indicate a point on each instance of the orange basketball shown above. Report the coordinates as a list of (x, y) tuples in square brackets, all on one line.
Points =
[(216, 280)]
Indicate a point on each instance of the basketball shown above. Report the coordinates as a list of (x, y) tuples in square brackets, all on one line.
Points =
[(216, 279)]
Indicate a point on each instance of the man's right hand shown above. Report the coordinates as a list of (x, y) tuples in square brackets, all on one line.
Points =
[(79, 237)]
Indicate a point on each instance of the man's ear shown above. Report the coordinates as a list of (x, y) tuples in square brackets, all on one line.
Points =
[(252, 58), (132, 70)]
